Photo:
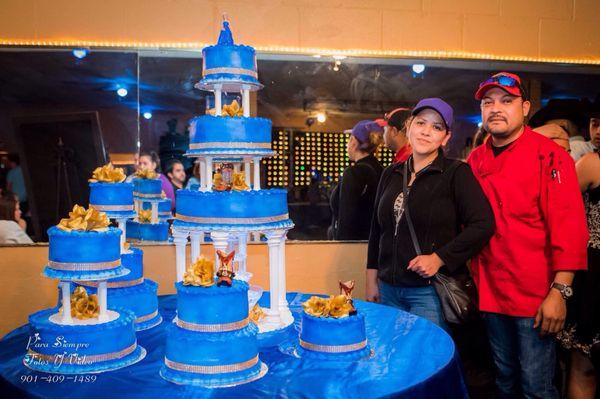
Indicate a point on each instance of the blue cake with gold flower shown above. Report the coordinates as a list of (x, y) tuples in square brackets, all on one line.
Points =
[(212, 342), (147, 189), (164, 209), (114, 199), (147, 232)]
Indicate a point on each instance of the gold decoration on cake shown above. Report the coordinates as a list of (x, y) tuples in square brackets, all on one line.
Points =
[(108, 173), (225, 272), (346, 288), (82, 219), (145, 216), (233, 109), (239, 182), (126, 246), (201, 273), (146, 174), (256, 314), (84, 306), (335, 306), (218, 182)]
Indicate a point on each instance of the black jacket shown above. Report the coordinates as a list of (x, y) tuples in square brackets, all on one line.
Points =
[(353, 198), (450, 214)]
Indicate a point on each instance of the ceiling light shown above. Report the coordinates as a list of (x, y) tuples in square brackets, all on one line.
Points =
[(147, 115), (122, 92), (418, 68), (321, 117)]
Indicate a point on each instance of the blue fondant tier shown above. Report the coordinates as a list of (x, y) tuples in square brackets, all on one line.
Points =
[(84, 255), (223, 135), (328, 335), (147, 231), (229, 65), (74, 349), (147, 189), (164, 208), (212, 305), (212, 359), (115, 199), (134, 262), (230, 209)]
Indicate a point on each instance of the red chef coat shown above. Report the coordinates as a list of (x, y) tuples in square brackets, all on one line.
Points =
[(540, 223)]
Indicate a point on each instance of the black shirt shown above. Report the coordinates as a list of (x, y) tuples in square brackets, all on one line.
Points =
[(450, 213)]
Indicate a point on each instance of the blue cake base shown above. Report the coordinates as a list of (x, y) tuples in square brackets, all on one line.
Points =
[(223, 381)]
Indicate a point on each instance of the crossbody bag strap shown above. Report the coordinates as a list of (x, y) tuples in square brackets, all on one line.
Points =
[(411, 228)]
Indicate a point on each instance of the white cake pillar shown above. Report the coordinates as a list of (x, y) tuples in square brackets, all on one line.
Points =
[(180, 240), (273, 242), (195, 238), (220, 242), (202, 175), (283, 304), (246, 100), (242, 256), (256, 180), (154, 216), (65, 287), (102, 301), (236, 167), (247, 173), (122, 226), (218, 104), (208, 176)]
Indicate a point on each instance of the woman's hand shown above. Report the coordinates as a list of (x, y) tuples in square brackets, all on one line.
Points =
[(22, 223), (426, 266), (372, 286)]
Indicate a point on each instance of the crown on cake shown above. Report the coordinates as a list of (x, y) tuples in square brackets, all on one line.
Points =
[(82, 219), (200, 273), (146, 174), (108, 173)]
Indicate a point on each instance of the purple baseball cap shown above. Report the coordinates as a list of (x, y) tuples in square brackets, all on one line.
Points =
[(439, 106), (362, 129)]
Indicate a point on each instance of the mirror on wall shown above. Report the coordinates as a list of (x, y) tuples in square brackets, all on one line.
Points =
[(63, 113)]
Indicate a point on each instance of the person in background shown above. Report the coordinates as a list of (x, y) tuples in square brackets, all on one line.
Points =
[(195, 177), (12, 226), (352, 199), (582, 330), (16, 183), (176, 174), (556, 134), (452, 218), (394, 134), (150, 160), (524, 274)]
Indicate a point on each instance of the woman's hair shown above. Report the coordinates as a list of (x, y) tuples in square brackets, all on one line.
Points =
[(375, 140), (196, 170), (480, 137), (8, 205), (153, 157)]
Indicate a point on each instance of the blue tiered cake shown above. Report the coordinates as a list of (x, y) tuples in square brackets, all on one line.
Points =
[(148, 199), (110, 194), (229, 202), (83, 336), (164, 209), (211, 342)]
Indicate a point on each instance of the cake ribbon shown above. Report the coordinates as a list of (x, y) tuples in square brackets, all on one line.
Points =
[(146, 174), (109, 174), (84, 220), (212, 328), (219, 369), (334, 348), (201, 273)]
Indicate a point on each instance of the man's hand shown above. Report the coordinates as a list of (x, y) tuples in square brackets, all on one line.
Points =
[(551, 314), (426, 265), (372, 294)]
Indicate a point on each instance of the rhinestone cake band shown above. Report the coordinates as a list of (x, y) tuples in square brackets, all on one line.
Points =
[(112, 208), (89, 359), (212, 327), (333, 348), (84, 266), (219, 144), (235, 71), (257, 220), (113, 284), (226, 368), (147, 317), (142, 195)]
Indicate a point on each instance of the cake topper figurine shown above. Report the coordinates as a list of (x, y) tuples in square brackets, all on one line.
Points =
[(225, 37), (225, 272), (346, 288), (201, 273)]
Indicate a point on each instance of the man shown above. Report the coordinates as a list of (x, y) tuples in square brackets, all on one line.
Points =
[(524, 275), (176, 174), (394, 133)]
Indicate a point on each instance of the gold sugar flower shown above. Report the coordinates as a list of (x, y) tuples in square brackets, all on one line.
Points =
[(84, 220), (146, 174), (317, 306), (339, 306), (239, 182), (84, 306), (108, 173), (256, 314), (233, 109), (201, 273), (145, 216)]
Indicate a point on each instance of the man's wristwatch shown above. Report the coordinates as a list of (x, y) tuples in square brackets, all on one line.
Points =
[(565, 290)]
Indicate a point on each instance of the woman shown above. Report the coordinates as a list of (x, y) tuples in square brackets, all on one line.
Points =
[(352, 199), (12, 227), (581, 334), (450, 214), (151, 161)]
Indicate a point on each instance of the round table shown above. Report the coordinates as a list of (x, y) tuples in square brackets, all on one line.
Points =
[(411, 358)]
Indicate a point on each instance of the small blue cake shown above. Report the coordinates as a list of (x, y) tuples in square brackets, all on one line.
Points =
[(229, 135), (84, 255), (164, 208), (329, 337), (147, 189), (79, 349), (226, 63), (114, 199), (212, 343), (232, 210), (147, 231)]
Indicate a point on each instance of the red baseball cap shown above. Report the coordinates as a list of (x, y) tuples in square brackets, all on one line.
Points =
[(509, 82), (395, 118)]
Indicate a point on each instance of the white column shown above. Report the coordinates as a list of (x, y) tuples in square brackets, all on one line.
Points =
[(220, 242), (283, 305), (136, 205), (247, 172), (102, 315), (273, 242), (242, 252), (202, 175), (154, 217), (122, 226), (256, 180), (180, 240), (236, 167), (195, 237), (209, 172), (66, 302), (218, 105), (246, 101)]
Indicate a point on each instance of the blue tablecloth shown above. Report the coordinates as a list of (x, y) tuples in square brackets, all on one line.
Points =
[(412, 359)]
